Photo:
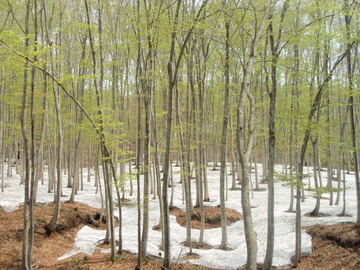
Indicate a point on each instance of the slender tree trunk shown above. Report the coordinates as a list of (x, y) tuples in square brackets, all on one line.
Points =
[(317, 173), (185, 169), (147, 171), (275, 53), (2, 130), (138, 146), (51, 226), (338, 179), (32, 136), (157, 165), (244, 157), (342, 134), (223, 143), (293, 124), (59, 146), (244, 148), (27, 233), (351, 103), (343, 212)]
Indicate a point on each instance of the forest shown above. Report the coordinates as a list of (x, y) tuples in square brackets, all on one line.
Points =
[(132, 94)]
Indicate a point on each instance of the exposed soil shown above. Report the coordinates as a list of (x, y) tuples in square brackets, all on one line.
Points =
[(334, 247), (310, 214), (211, 214), (48, 248)]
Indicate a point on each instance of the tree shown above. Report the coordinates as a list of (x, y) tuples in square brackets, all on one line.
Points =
[(244, 142), (275, 53), (28, 232), (2, 129), (225, 128), (56, 93), (146, 76), (349, 45)]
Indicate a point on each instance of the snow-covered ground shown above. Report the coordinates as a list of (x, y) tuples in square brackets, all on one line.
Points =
[(87, 237)]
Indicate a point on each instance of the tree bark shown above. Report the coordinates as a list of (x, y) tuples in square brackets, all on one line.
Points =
[(275, 54), (223, 142), (351, 103), (244, 148), (27, 232)]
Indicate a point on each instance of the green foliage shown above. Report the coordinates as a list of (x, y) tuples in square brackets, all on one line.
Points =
[(287, 180), (322, 190), (126, 177)]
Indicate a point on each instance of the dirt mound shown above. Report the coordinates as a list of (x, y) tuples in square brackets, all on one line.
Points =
[(334, 247), (346, 236), (212, 217), (46, 248)]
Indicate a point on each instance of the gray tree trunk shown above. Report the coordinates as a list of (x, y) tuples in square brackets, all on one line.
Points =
[(27, 232), (244, 147), (223, 141), (352, 114)]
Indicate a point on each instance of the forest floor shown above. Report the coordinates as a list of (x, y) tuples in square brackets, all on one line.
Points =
[(334, 246)]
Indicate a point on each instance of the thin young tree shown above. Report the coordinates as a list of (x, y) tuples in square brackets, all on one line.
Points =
[(245, 136), (138, 139), (27, 232), (147, 82), (226, 115), (59, 140), (172, 78), (275, 48), (351, 103), (2, 129)]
